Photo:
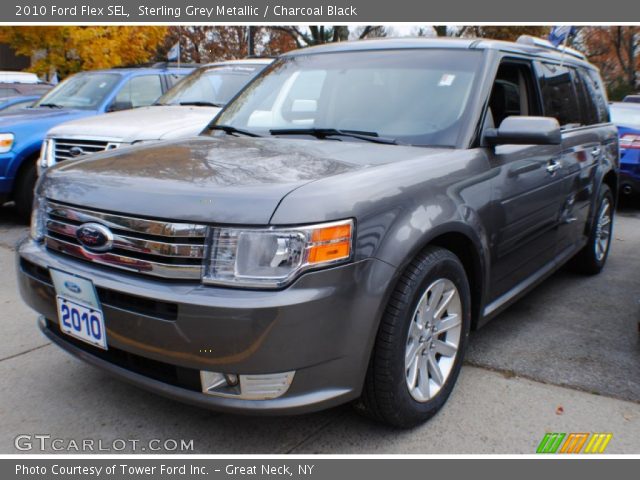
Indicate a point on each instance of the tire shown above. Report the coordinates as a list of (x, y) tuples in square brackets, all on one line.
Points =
[(23, 191), (387, 395), (592, 258)]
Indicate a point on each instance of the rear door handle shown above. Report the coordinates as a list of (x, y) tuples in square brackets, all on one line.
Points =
[(553, 166), (595, 152)]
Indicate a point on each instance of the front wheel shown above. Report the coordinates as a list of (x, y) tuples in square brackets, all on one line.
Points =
[(421, 341), (591, 259)]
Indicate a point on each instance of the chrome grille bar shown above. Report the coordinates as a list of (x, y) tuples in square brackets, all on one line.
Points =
[(178, 272), (62, 147), (121, 222), (162, 249), (135, 244)]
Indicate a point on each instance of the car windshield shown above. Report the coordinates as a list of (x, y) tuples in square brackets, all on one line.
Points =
[(416, 97), (211, 86), (85, 91), (625, 116)]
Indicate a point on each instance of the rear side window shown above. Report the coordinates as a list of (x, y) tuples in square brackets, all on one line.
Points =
[(596, 92), (559, 95), (585, 99)]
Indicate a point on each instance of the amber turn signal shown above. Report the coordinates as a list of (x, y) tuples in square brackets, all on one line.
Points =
[(330, 243)]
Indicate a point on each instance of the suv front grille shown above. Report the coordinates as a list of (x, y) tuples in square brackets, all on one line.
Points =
[(66, 149), (151, 247)]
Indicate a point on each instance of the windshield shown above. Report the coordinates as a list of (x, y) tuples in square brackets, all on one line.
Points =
[(416, 97), (211, 86), (625, 116), (85, 91)]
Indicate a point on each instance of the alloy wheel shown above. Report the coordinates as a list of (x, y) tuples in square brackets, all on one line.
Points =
[(433, 339), (603, 230)]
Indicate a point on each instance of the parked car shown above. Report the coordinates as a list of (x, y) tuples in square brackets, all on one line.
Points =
[(183, 111), (12, 104), (83, 95), (627, 118), (13, 84), (337, 231), (23, 89), (18, 77), (632, 99)]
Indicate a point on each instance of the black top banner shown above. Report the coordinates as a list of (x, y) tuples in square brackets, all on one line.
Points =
[(306, 11)]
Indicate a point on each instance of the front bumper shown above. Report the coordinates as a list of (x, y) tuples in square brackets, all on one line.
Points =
[(161, 334)]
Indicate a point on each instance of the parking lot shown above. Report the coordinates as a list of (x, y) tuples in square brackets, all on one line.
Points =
[(566, 358)]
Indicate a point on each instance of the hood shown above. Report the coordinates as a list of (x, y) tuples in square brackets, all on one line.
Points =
[(234, 180), (144, 123), (33, 119), (34, 114)]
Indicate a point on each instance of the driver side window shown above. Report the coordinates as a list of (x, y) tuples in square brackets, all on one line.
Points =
[(512, 94)]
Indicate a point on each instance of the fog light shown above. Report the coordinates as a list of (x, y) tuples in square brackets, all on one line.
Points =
[(246, 387), (212, 381)]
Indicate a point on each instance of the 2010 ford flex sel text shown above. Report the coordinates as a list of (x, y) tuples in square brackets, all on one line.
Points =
[(336, 232)]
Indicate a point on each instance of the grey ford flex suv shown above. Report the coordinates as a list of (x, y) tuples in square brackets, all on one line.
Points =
[(335, 232)]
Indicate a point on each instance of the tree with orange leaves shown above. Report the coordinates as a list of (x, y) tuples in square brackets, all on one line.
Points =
[(69, 49), (201, 44), (616, 51)]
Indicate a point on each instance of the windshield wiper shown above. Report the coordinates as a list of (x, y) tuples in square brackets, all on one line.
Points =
[(334, 132), (50, 105), (233, 130), (203, 104)]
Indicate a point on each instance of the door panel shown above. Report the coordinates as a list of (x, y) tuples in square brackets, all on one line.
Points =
[(581, 152), (528, 199)]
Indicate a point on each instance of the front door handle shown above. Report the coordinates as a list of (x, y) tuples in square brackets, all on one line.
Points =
[(553, 166)]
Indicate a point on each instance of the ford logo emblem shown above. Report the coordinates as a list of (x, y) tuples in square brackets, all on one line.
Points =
[(72, 287), (94, 236), (76, 151)]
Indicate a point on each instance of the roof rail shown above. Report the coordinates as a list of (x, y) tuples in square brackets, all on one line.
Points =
[(175, 65), (260, 57), (546, 44), (158, 65)]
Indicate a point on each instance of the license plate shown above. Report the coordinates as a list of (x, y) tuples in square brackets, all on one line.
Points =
[(79, 311)]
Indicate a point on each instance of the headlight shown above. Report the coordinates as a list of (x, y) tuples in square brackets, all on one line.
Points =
[(6, 142), (271, 258), (37, 219), (46, 156)]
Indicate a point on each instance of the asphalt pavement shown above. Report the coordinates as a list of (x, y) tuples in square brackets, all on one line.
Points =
[(565, 358)]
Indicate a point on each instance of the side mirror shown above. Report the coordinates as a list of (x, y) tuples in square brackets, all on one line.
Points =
[(117, 106), (525, 131)]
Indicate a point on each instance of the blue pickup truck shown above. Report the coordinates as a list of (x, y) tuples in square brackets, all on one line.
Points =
[(82, 95)]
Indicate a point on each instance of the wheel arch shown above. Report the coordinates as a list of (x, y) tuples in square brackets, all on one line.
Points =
[(22, 164), (461, 240), (611, 180), (464, 248)]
